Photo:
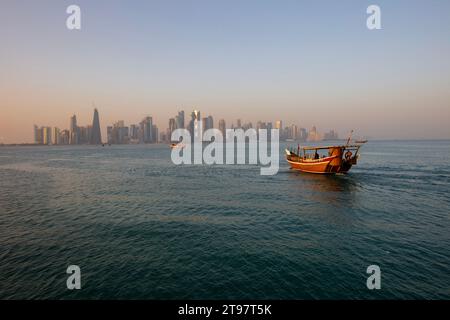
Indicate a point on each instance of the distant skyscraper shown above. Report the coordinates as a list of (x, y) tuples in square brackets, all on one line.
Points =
[(172, 125), (47, 135), (294, 132), (146, 130), (118, 133), (207, 123), (314, 135), (95, 135), (155, 134), (279, 125), (222, 127), (179, 119), (303, 134), (37, 135), (73, 130), (64, 137), (134, 132), (83, 135), (210, 122), (55, 136)]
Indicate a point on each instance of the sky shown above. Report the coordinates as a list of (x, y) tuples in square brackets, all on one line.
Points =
[(304, 62)]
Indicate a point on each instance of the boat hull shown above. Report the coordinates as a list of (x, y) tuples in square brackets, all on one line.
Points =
[(328, 165), (321, 167), (340, 159), (311, 167)]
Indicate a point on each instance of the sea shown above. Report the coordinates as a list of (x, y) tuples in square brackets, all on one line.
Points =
[(140, 227)]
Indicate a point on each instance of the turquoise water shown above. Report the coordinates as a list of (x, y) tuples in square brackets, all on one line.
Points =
[(140, 227)]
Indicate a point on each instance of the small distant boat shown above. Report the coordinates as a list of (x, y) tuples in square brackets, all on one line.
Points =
[(177, 146), (361, 141), (339, 159)]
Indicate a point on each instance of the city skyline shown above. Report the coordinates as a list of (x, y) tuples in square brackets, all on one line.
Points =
[(315, 63), (146, 131)]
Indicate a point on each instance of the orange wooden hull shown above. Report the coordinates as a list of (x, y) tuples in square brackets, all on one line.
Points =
[(328, 165)]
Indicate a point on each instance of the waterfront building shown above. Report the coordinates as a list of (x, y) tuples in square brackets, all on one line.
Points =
[(64, 137), (37, 135), (95, 134), (179, 119), (155, 134), (73, 130), (118, 133), (134, 132), (55, 136), (314, 135), (222, 127), (47, 135), (146, 130), (172, 125)]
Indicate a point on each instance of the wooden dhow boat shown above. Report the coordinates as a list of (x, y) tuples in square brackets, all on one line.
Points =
[(338, 159)]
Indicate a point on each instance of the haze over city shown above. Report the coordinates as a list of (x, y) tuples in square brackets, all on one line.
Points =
[(305, 63)]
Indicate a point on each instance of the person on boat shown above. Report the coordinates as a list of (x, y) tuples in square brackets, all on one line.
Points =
[(316, 155)]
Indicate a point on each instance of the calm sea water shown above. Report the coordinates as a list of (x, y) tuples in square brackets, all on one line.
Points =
[(141, 227)]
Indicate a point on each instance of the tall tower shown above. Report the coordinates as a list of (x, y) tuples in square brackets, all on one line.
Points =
[(179, 119), (222, 127), (96, 135), (146, 130), (73, 139)]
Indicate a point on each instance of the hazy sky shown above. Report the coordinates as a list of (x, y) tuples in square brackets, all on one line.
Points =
[(305, 62)]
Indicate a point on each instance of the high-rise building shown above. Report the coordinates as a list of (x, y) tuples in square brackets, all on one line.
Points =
[(279, 125), (47, 135), (313, 135), (55, 136), (164, 136), (118, 133), (238, 124), (207, 123), (179, 119), (210, 122), (73, 130), (303, 134), (64, 137), (95, 135), (294, 132), (134, 132), (83, 135), (155, 134), (172, 125), (146, 130), (222, 127), (37, 135)]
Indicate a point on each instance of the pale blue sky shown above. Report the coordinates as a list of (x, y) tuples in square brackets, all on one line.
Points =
[(305, 62)]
